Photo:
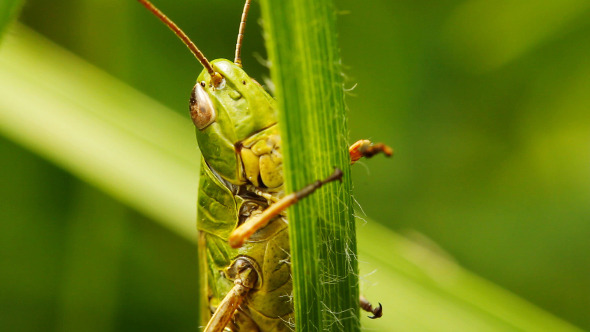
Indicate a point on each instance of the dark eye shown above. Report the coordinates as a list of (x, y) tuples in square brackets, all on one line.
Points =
[(201, 108)]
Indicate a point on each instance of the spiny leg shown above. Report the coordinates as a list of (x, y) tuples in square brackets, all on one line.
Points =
[(362, 148), (245, 279), (365, 148), (366, 306), (244, 231)]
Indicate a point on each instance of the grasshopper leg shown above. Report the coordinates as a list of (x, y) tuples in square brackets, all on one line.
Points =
[(245, 279), (365, 148), (368, 307), (244, 231)]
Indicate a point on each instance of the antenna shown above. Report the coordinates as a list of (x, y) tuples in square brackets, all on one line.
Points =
[(215, 77), (238, 60)]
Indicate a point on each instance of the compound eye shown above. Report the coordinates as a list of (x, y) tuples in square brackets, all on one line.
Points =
[(201, 108)]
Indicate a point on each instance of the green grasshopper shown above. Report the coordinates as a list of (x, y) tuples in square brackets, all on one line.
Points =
[(243, 230)]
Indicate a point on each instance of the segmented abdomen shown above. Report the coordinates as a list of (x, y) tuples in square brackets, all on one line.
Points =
[(268, 305)]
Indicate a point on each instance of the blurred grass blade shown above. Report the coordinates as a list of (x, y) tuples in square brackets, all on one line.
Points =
[(8, 12), (131, 147), (422, 290), (104, 132), (309, 88)]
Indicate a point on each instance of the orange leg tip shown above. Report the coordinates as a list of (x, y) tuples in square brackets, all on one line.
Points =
[(387, 150), (364, 148), (236, 241)]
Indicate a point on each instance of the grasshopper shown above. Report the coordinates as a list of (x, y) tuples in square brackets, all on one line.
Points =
[(243, 232)]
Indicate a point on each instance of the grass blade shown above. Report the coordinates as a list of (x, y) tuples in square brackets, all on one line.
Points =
[(302, 47), (106, 133)]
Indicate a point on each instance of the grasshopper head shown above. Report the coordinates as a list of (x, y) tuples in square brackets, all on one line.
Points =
[(226, 114)]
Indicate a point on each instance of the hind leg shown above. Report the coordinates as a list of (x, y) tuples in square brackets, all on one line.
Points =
[(245, 279)]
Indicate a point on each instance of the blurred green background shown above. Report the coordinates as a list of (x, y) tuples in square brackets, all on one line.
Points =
[(487, 105)]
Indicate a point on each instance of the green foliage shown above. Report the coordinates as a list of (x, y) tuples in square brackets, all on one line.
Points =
[(131, 147), (308, 83)]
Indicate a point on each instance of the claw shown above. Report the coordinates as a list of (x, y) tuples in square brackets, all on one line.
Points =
[(377, 312), (366, 306)]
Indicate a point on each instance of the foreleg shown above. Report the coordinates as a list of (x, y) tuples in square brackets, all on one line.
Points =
[(364, 148), (244, 231)]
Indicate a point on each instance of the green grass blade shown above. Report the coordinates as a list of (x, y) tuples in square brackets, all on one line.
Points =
[(303, 50), (421, 289), (128, 145), (106, 133)]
